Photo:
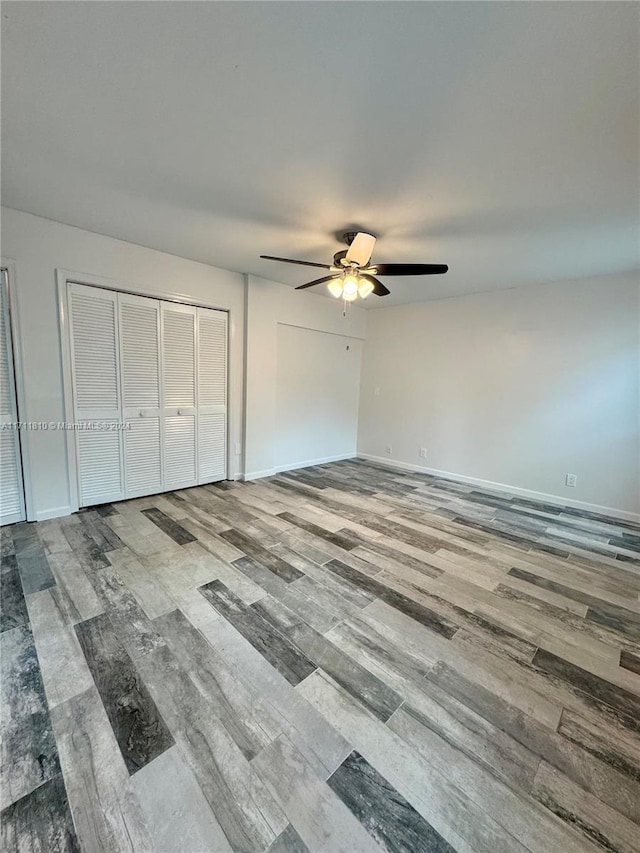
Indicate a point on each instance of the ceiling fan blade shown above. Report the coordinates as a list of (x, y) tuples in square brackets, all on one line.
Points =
[(302, 263), (317, 281), (378, 287), (410, 269), (361, 249)]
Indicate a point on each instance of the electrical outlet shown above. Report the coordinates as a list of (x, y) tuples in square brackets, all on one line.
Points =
[(238, 448), (387, 448), (423, 453), (570, 480), (376, 391)]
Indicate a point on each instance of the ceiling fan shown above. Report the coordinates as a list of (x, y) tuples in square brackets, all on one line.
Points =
[(351, 272)]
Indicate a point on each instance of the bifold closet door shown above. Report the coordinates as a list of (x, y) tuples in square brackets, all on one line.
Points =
[(141, 394), (158, 369), (93, 321), (179, 395), (11, 492), (212, 395)]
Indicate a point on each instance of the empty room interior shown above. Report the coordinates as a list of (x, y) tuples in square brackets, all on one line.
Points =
[(320, 427)]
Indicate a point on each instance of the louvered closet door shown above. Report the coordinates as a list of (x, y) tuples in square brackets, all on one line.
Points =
[(212, 395), (93, 320), (179, 395), (11, 492), (141, 403)]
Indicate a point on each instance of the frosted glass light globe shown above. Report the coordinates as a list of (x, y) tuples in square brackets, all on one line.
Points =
[(365, 287), (350, 287), (335, 288)]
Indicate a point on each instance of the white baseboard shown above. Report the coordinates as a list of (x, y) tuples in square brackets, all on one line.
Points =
[(257, 475), (502, 487), (293, 466), (56, 512)]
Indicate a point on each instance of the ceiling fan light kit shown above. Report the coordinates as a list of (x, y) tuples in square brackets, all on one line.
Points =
[(351, 276)]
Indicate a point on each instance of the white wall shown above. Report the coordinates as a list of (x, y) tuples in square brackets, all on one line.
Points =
[(270, 308), (517, 387), (38, 247)]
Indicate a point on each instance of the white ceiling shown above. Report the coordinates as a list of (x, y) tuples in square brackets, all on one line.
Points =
[(500, 138)]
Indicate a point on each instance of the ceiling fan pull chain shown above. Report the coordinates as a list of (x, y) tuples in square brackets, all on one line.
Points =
[(346, 313)]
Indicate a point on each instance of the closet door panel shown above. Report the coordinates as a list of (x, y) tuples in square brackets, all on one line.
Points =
[(100, 466), (141, 394), (179, 355), (179, 395), (143, 456), (212, 394), (212, 358), (179, 451), (212, 448), (94, 342), (93, 320), (11, 493), (140, 346)]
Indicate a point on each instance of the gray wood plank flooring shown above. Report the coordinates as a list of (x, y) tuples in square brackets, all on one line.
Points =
[(340, 658)]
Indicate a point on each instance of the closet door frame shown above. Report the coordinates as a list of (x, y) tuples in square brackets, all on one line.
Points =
[(8, 266), (65, 277)]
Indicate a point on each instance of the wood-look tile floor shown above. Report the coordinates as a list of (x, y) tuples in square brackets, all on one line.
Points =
[(341, 658)]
